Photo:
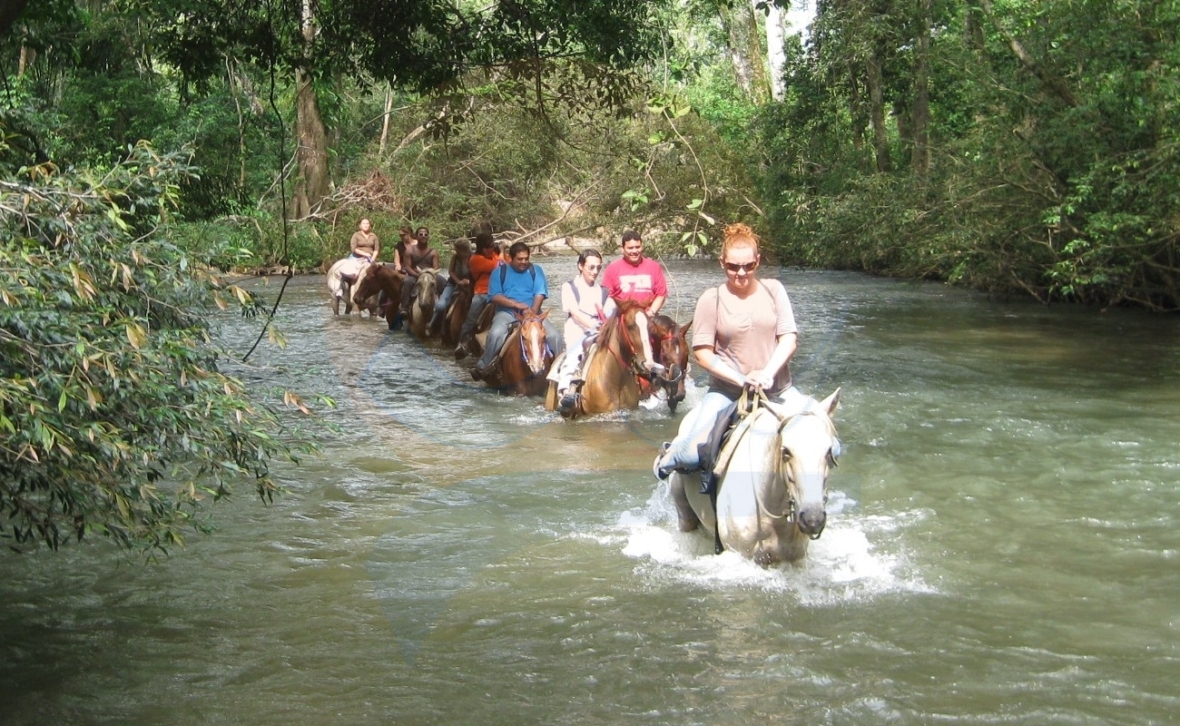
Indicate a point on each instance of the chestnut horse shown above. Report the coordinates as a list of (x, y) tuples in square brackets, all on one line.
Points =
[(525, 359), (622, 356), (452, 323), (670, 345), (385, 280)]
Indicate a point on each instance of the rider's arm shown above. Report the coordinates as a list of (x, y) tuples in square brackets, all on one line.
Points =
[(538, 300), (783, 350), (708, 359), (659, 288), (507, 302)]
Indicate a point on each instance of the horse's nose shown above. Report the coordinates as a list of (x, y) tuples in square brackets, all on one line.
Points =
[(812, 522)]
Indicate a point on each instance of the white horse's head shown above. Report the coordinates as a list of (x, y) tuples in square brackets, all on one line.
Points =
[(809, 450), (426, 290)]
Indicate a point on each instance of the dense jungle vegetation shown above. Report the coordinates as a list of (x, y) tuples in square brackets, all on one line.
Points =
[(1021, 147)]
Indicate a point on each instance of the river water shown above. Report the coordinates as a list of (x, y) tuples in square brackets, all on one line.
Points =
[(1002, 545)]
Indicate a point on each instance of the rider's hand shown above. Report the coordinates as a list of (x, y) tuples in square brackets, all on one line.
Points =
[(760, 379)]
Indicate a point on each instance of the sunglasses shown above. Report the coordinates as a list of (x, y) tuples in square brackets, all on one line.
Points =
[(739, 267)]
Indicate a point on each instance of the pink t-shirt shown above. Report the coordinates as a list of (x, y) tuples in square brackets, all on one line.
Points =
[(744, 332), (642, 283)]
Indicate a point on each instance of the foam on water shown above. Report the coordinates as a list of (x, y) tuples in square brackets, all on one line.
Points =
[(842, 566)]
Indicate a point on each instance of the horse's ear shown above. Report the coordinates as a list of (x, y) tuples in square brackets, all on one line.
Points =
[(543, 315), (830, 403), (684, 328)]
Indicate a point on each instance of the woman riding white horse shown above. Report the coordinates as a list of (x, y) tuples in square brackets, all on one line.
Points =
[(744, 335), (365, 246)]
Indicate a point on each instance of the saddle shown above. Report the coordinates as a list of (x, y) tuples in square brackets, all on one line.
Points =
[(589, 348), (482, 324), (717, 450)]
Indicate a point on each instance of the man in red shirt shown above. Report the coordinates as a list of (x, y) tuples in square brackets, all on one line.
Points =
[(635, 277), (485, 260)]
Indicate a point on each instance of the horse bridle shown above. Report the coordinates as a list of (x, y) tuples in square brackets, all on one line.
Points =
[(524, 350), (747, 406), (674, 380), (636, 366)]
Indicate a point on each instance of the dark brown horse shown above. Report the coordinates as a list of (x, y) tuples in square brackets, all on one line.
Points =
[(670, 345), (621, 358), (525, 359), (387, 281), (452, 323)]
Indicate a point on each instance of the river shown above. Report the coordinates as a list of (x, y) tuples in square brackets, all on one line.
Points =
[(1002, 544)]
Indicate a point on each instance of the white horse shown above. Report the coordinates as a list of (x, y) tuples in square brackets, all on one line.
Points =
[(421, 302), (772, 480), (344, 277)]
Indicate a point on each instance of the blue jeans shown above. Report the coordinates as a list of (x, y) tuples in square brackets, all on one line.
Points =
[(477, 305), (441, 304), (498, 333), (683, 453)]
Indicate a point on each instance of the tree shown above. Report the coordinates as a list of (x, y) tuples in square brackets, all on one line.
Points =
[(114, 416), (421, 46)]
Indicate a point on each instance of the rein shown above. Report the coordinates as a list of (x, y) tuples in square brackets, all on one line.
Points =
[(634, 366)]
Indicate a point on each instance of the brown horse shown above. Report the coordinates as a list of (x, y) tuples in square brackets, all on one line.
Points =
[(621, 358), (525, 359), (670, 345), (384, 280), (452, 323)]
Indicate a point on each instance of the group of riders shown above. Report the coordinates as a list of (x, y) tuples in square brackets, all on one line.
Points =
[(743, 332), (513, 285)]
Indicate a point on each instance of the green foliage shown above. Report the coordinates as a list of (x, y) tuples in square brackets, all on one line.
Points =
[(1053, 172), (114, 415)]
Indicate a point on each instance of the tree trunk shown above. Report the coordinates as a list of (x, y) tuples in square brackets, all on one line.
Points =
[(877, 111), (775, 51), (856, 109), (385, 121), (27, 57), (742, 73), (312, 137), (310, 134), (920, 156), (759, 80)]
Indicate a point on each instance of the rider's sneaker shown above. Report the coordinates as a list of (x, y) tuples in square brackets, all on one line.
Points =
[(460, 352), (477, 373), (662, 472)]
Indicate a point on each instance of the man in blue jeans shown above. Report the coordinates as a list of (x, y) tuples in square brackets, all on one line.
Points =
[(514, 288)]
